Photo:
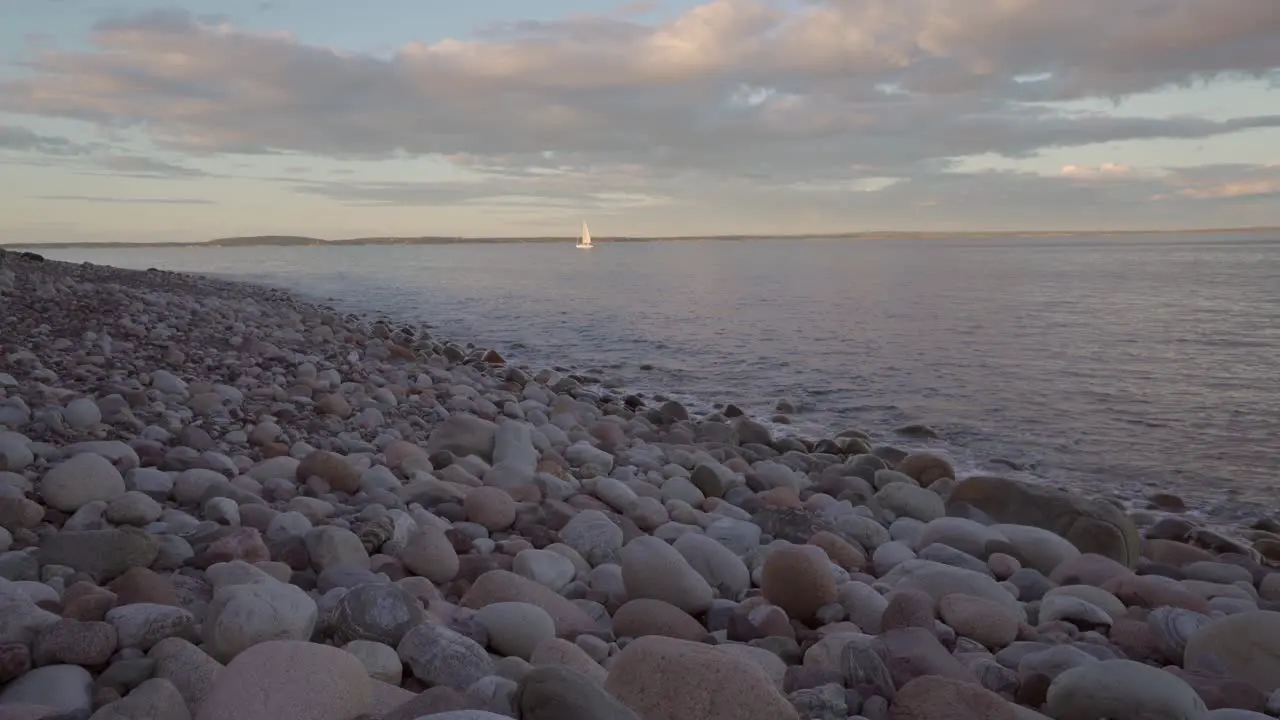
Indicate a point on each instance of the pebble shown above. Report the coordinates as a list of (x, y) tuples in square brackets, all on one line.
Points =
[(561, 652), (65, 689), (240, 616), (503, 586), (515, 629), (717, 564), (153, 699), (375, 612), (560, 693), (189, 668), (1245, 645), (932, 697), (798, 579), (379, 660), (429, 553), (652, 568), (990, 623), (696, 681), (80, 480), (646, 616), (545, 567), (440, 656), (1121, 689), (289, 680)]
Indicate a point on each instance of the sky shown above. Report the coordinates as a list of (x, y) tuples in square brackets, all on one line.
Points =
[(147, 120)]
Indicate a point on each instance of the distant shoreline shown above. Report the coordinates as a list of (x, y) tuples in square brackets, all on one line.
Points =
[(304, 241)]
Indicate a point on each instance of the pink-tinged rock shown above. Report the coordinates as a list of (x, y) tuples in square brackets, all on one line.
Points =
[(1153, 591), (331, 468), (669, 679), (491, 508), (939, 698), (798, 579), (498, 586), (243, 543), (646, 616), (914, 652), (1088, 569), (992, 624)]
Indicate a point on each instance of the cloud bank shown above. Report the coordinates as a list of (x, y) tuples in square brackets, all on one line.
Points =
[(733, 99)]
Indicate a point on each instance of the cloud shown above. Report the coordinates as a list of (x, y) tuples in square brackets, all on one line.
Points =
[(20, 139), (127, 200), (1105, 170), (1238, 189), (1110, 172), (1224, 182), (760, 96), (140, 166), (614, 88)]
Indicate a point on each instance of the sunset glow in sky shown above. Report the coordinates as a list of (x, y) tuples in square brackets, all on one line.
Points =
[(139, 120)]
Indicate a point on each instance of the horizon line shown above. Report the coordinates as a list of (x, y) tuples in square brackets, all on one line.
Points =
[(277, 239)]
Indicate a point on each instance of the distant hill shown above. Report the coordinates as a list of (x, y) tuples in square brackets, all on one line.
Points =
[(266, 240), (302, 240)]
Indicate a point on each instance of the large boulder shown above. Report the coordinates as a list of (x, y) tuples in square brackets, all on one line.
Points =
[(1093, 526)]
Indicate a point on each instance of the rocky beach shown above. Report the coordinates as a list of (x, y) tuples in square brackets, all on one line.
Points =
[(220, 503)]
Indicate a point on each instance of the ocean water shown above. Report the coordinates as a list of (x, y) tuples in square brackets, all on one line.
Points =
[(1118, 365)]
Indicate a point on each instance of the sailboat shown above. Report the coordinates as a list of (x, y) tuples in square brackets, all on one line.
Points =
[(584, 242)]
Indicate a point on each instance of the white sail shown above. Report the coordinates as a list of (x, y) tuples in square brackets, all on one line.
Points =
[(585, 240)]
